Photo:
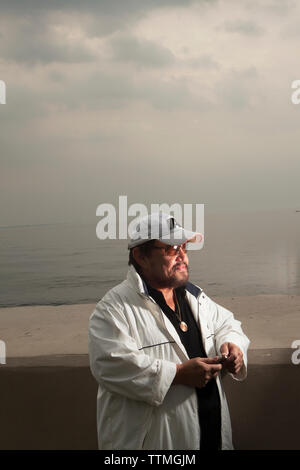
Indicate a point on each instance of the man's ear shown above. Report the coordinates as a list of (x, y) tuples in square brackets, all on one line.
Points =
[(138, 257)]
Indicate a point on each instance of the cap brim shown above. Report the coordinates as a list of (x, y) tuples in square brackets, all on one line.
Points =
[(180, 235)]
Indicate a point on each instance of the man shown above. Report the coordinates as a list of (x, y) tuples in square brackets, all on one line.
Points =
[(155, 343)]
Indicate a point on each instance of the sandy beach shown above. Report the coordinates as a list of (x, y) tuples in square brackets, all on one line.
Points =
[(270, 321)]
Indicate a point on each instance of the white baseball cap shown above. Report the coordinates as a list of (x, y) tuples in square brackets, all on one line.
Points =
[(163, 227)]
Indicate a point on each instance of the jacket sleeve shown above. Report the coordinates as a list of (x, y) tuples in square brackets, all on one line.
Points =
[(117, 363), (228, 329)]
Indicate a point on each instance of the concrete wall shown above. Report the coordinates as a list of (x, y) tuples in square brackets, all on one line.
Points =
[(50, 403)]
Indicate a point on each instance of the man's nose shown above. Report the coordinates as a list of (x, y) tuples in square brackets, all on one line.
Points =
[(181, 253)]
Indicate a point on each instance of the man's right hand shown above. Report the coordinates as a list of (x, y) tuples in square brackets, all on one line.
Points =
[(197, 371)]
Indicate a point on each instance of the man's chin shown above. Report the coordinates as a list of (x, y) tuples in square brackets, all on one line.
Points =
[(180, 278), (181, 282)]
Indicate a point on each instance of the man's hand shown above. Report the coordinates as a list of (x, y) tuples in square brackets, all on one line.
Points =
[(197, 371), (234, 361)]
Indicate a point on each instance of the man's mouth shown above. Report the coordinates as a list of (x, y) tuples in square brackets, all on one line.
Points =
[(180, 267)]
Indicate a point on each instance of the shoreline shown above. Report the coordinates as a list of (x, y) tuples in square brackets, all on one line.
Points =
[(271, 321)]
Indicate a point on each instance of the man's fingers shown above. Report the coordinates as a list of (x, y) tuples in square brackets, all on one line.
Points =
[(214, 375), (224, 349), (235, 366), (215, 368), (231, 358), (210, 360), (231, 350)]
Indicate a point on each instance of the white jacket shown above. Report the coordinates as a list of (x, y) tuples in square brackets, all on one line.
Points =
[(134, 349)]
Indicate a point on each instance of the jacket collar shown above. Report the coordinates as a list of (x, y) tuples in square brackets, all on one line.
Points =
[(138, 284)]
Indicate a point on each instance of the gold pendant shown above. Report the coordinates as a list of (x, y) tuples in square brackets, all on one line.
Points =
[(183, 326)]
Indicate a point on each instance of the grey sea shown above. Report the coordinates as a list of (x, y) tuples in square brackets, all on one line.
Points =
[(244, 254)]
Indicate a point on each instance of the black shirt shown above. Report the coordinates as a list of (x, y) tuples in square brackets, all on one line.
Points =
[(208, 396)]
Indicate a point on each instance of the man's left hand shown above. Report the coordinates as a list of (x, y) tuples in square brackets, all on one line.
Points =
[(234, 361)]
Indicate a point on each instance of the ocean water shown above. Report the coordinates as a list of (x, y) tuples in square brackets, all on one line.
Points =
[(243, 254)]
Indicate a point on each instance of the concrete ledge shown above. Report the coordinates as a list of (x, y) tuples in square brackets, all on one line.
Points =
[(47, 407), (265, 410), (49, 402)]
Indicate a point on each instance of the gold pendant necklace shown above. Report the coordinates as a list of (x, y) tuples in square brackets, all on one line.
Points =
[(182, 325)]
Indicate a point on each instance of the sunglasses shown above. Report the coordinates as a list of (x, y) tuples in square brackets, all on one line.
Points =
[(172, 250)]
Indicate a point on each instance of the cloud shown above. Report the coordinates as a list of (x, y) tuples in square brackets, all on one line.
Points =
[(204, 61), (273, 8), (141, 51), (27, 41), (132, 85), (236, 91), (248, 28), (103, 17), (290, 30), (39, 31), (116, 7), (116, 90)]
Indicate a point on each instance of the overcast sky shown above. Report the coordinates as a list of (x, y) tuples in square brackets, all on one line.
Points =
[(160, 100)]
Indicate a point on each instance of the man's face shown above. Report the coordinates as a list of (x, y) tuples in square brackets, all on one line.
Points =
[(166, 270)]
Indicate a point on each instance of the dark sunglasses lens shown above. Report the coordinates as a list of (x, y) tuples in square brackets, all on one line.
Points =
[(173, 250)]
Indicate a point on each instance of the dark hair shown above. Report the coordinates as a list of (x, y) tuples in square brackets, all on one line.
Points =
[(145, 250)]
